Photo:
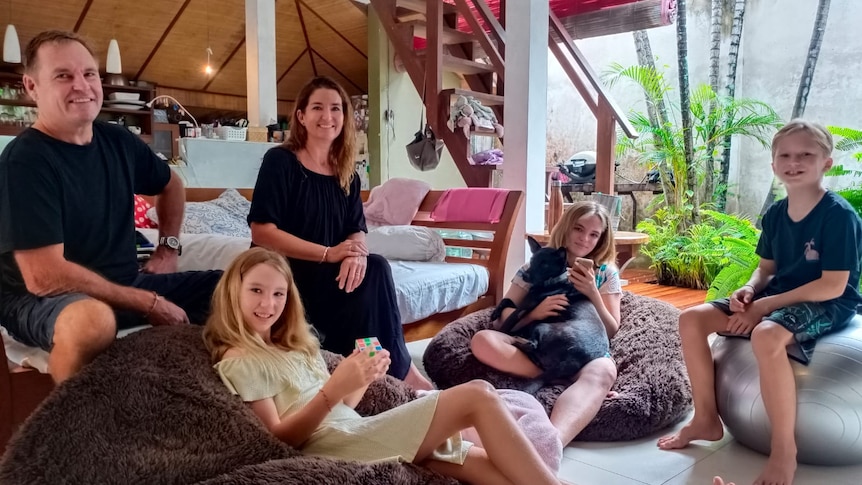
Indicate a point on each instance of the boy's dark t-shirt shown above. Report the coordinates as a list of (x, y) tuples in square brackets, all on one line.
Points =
[(829, 238), (53, 192)]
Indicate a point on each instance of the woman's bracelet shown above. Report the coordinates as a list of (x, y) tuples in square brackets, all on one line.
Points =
[(326, 399), (156, 299), (325, 250)]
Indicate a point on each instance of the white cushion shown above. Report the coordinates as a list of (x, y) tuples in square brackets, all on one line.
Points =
[(204, 251), (406, 243)]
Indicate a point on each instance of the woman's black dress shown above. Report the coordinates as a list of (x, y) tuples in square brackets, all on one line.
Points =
[(313, 207)]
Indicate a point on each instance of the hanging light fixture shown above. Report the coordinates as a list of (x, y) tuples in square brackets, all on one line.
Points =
[(208, 68), (114, 64), (11, 46)]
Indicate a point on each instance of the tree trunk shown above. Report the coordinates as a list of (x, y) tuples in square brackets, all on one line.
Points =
[(804, 85), (657, 112), (714, 58), (732, 58), (690, 185)]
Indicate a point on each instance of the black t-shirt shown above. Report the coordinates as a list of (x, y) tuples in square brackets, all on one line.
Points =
[(53, 192), (829, 238)]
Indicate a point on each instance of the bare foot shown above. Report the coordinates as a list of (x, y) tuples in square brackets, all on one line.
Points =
[(417, 380), (720, 481), (779, 470), (694, 430)]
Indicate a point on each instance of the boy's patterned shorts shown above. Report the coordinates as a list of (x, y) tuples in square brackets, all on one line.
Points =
[(807, 322)]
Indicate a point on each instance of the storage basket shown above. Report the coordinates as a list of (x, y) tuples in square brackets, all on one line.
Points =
[(257, 133), (231, 133)]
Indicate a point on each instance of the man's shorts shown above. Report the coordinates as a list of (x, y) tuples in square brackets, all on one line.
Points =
[(807, 322), (30, 319)]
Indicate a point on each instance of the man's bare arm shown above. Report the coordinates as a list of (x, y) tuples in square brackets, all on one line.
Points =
[(46, 272), (170, 205)]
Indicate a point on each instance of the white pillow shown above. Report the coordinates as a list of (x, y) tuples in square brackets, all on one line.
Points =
[(406, 243), (204, 251), (219, 216)]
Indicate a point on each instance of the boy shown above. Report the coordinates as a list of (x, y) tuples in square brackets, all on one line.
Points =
[(804, 287)]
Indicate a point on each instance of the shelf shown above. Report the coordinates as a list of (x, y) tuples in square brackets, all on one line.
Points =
[(137, 89), (12, 130), (126, 111), (17, 102)]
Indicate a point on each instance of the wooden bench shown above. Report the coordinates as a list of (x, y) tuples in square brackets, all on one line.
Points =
[(22, 389)]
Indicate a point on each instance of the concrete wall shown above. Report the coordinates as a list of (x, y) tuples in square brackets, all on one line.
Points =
[(775, 43)]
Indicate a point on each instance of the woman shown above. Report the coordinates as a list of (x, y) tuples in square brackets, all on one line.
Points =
[(307, 207)]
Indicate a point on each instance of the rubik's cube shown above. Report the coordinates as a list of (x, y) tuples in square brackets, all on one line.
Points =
[(368, 343)]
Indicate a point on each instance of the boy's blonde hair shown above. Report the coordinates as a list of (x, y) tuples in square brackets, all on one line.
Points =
[(226, 327), (605, 251), (816, 131)]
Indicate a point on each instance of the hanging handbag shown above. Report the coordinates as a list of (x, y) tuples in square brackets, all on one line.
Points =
[(425, 150)]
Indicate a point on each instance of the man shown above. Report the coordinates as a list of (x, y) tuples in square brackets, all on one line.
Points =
[(68, 265)]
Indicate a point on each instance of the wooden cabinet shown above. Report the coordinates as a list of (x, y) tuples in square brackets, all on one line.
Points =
[(166, 140)]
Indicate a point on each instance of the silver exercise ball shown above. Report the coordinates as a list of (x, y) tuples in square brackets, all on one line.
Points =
[(829, 397)]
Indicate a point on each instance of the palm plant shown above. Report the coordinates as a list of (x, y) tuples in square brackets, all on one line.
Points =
[(662, 145)]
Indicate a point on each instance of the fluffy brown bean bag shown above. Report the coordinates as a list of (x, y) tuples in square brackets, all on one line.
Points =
[(652, 383), (152, 410)]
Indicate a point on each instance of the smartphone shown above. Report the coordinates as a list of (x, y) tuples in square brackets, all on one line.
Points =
[(586, 263)]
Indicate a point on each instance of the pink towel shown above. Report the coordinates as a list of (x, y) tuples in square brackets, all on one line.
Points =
[(395, 203), (534, 422), (471, 204)]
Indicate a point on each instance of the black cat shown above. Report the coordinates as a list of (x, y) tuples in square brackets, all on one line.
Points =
[(563, 344)]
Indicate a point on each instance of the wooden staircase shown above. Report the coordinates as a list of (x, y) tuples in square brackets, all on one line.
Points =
[(478, 57)]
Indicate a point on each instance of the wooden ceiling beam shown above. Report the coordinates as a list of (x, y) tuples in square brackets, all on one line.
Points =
[(223, 64), (82, 16), (162, 38), (210, 100), (351, 44), (305, 34), (278, 81), (358, 88)]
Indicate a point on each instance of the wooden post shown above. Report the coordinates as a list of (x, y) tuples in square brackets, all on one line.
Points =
[(606, 140)]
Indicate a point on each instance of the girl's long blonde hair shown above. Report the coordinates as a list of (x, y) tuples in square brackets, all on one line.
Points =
[(226, 327), (605, 251), (341, 153)]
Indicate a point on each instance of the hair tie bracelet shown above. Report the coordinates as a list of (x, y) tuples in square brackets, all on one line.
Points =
[(325, 250), (326, 399), (156, 299)]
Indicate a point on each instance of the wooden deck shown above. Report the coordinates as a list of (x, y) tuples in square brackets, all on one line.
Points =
[(681, 298)]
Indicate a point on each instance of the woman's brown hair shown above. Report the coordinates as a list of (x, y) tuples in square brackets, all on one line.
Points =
[(341, 153)]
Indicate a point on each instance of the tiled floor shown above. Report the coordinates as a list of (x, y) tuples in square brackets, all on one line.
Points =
[(640, 462)]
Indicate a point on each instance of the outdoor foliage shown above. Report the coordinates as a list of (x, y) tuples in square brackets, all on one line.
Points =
[(701, 254), (661, 145)]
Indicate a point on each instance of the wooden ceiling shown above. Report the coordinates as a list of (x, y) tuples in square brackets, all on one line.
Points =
[(165, 41)]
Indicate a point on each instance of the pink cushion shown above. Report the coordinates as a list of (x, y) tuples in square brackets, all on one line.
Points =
[(395, 203), (470, 204)]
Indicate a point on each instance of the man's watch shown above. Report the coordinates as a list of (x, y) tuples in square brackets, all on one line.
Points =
[(172, 242)]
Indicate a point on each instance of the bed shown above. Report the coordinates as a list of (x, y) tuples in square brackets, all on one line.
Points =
[(430, 294)]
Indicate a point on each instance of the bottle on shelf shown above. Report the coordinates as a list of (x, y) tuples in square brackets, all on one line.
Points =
[(555, 201)]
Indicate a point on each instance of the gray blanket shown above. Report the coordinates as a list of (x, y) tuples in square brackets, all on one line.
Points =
[(152, 410)]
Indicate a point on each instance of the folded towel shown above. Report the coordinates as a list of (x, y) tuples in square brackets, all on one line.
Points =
[(395, 202), (471, 204)]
